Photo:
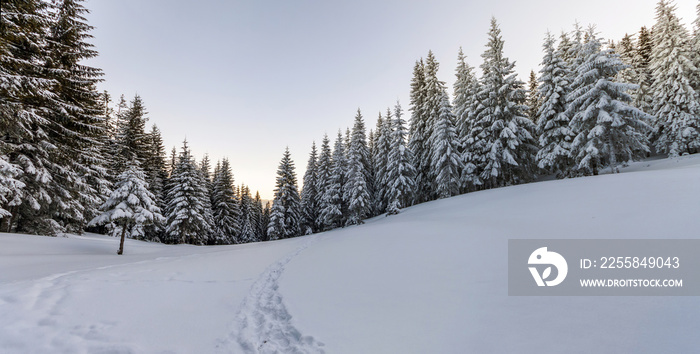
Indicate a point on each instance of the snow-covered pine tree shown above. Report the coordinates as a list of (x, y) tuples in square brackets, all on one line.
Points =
[(73, 119), (446, 162), (155, 166), (10, 190), (419, 134), (400, 172), (534, 100), (334, 206), (676, 103), (247, 221), (265, 220), (433, 108), (186, 212), (285, 214), (508, 145), (357, 193), (609, 128), (627, 49), (323, 176), (225, 208), (259, 227), (156, 176), (132, 139), (553, 129), (309, 194), (465, 106), (695, 50), (130, 207), (380, 157), (642, 58)]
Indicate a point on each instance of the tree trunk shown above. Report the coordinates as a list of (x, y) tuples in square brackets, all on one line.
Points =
[(121, 243)]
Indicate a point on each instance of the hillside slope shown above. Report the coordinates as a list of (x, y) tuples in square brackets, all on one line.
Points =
[(432, 279)]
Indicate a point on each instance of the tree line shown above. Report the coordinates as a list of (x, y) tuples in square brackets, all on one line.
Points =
[(70, 162), (593, 105)]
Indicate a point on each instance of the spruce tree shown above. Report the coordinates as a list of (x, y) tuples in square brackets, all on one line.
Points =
[(309, 194), (247, 219), (466, 88), (225, 207), (505, 138), (400, 171), (334, 206), (258, 218), (285, 214), (380, 160), (642, 58), (609, 128), (130, 206), (553, 129), (187, 217), (446, 162), (676, 103), (419, 134), (533, 97), (323, 177), (357, 193)]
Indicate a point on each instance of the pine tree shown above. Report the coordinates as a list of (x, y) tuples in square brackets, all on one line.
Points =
[(419, 133), (400, 171), (506, 134), (466, 88), (225, 207), (553, 129), (609, 129), (334, 207), (258, 216), (285, 214), (356, 191), (187, 217), (130, 206), (10, 188), (323, 176), (640, 62), (676, 103), (695, 50), (380, 160), (265, 220), (246, 221), (534, 101), (627, 49), (132, 139), (446, 162), (309, 194)]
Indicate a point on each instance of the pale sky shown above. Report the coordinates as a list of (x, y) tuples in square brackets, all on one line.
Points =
[(245, 79)]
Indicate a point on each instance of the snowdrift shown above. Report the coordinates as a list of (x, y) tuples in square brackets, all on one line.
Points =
[(432, 279)]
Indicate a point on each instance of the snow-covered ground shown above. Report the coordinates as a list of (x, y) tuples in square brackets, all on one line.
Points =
[(432, 279)]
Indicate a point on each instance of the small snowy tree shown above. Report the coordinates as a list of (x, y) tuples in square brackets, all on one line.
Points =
[(609, 128), (285, 215), (130, 207)]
